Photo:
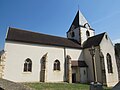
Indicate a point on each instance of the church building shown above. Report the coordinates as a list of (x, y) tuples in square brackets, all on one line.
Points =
[(35, 57)]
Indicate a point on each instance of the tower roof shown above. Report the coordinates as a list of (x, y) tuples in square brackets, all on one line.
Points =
[(82, 19), (79, 20)]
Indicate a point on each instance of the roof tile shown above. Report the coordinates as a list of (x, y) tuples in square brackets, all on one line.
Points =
[(93, 41), (38, 38)]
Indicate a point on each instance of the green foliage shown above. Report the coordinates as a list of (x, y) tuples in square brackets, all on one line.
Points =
[(60, 86), (107, 88)]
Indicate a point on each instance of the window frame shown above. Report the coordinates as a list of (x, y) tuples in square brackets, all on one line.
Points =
[(87, 33), (27, 65), (72, 34), (56, 65), (109, 63)]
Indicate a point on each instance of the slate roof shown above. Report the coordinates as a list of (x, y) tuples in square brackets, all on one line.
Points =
[(79, 64), (93, 41), (38, 38), (76, 22)]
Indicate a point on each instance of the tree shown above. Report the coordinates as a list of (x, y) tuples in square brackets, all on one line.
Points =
[(117, 49), (117, 54)]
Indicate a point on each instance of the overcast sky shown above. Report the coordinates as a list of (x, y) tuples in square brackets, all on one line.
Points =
[(54, 17)]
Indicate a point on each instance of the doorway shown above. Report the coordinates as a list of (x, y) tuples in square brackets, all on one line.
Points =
[(74, 78)]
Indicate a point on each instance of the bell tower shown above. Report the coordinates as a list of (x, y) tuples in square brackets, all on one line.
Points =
[(80, 29)]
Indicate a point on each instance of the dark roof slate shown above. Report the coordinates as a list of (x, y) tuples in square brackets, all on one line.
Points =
[(76, 23), (93, 41), (38, 38)]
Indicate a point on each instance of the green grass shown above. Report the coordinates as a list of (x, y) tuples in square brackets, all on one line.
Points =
[(60, 86), (107, 88)]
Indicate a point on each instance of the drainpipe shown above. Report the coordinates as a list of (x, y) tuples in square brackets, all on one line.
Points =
[(65, 65)]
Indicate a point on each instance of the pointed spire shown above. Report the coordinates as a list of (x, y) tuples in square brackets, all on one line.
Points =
[(82, 19), (75, 22), (79, 20)]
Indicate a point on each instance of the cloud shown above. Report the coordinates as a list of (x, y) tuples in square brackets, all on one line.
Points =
[(106, 17), (116, 41)]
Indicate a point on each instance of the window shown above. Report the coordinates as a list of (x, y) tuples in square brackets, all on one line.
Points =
[(56, 65), (109, 63), (84, 72), (72, 34), (106, 37), (43, 62), (28, 65), (87, 34), (87, 26)]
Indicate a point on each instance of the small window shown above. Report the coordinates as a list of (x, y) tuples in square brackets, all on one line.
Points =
[(84, 72), (72, 34), (106, 37), (109, 63), (87, 33), (57, 65), (28, 65)]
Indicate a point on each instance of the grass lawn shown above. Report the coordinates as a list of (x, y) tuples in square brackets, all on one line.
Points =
[(59, 86)]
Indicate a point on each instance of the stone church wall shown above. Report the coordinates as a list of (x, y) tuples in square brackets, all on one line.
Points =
[(106, 46)]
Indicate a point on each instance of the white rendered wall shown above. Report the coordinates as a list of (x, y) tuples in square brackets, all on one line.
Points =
[(83, 75), (88, 60), (18, 52), (80, 34), (75, 54), (83, 34), (76, 33)]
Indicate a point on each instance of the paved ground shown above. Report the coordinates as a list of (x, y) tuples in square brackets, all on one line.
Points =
[(8, 85), (117, 86)]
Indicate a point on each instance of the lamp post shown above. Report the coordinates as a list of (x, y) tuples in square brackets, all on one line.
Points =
[(94, 85)]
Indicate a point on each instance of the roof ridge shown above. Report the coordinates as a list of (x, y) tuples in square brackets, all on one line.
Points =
[(15, 34), (97, 35)]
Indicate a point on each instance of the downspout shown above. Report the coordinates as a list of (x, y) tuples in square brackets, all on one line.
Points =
[(65, 66)]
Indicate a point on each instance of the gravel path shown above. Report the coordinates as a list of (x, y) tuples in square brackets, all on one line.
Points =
[(8, 85)]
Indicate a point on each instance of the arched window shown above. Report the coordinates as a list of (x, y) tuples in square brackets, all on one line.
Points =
[(87, 33), (106, 37), (72, 34), (56, 65), (109, 63), (43, 64), (28, 65)]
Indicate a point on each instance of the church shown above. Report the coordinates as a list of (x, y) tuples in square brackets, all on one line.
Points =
[(35, 57)]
